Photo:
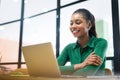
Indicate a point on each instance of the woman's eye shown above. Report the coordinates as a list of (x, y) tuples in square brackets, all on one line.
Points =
[(78, 22), (71, 23)]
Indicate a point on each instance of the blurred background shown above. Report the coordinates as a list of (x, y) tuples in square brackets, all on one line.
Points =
[(26, 22)]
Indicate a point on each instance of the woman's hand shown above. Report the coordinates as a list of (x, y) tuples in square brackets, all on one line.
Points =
[(92, 59)]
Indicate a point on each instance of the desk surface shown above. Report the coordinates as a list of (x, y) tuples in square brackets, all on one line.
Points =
[(5, 77)]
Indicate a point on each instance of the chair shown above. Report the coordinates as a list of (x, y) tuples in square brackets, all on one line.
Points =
[(108, 71)]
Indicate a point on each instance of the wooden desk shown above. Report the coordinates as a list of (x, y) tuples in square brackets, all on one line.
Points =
[(5, 77)]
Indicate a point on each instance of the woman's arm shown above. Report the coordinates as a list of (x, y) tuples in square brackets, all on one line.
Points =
[(91, 66), (62, 59), (92, 59)]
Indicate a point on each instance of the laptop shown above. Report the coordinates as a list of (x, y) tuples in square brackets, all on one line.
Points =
[(40, 60)]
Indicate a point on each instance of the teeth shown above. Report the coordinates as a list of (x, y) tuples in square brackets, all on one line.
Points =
[(75, 31)]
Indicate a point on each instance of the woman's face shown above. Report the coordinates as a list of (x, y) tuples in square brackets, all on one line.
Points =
[(79, 26)]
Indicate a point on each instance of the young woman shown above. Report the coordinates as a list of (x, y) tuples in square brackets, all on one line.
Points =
[(87, 54)]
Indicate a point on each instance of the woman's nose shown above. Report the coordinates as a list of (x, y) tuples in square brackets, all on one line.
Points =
[(74, 25)]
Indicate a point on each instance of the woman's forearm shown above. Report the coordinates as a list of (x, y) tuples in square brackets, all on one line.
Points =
[(79, 66)]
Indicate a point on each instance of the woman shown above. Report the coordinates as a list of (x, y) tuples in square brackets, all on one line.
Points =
[(87, 55)]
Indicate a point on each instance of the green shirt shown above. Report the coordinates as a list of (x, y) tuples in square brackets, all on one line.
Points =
[(73, 54)]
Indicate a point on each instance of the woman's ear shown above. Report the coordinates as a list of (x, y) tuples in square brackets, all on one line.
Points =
[(89, 25)]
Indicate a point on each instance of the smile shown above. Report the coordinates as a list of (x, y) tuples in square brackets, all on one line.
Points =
[(75, 31)]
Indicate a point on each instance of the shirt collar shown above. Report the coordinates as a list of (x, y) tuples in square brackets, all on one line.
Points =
[(76, 45), (90, 43)]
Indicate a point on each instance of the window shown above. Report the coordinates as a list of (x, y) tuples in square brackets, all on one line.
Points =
[(38, 6), (64, 2), (10, 10), (9, 43), (40, 29)]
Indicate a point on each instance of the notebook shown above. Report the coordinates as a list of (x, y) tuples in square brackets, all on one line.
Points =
[(40, 60)]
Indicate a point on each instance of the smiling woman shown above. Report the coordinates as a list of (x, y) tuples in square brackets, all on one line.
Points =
[(87, 54)]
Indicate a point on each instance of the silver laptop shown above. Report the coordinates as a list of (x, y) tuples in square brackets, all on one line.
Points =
[(40, 60)]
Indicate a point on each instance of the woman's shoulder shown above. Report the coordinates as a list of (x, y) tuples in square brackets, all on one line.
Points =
[(101, 40), (71, 45), (96, 40)]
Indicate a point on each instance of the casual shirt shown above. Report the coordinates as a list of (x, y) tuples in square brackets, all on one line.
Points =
[(73, 53)]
